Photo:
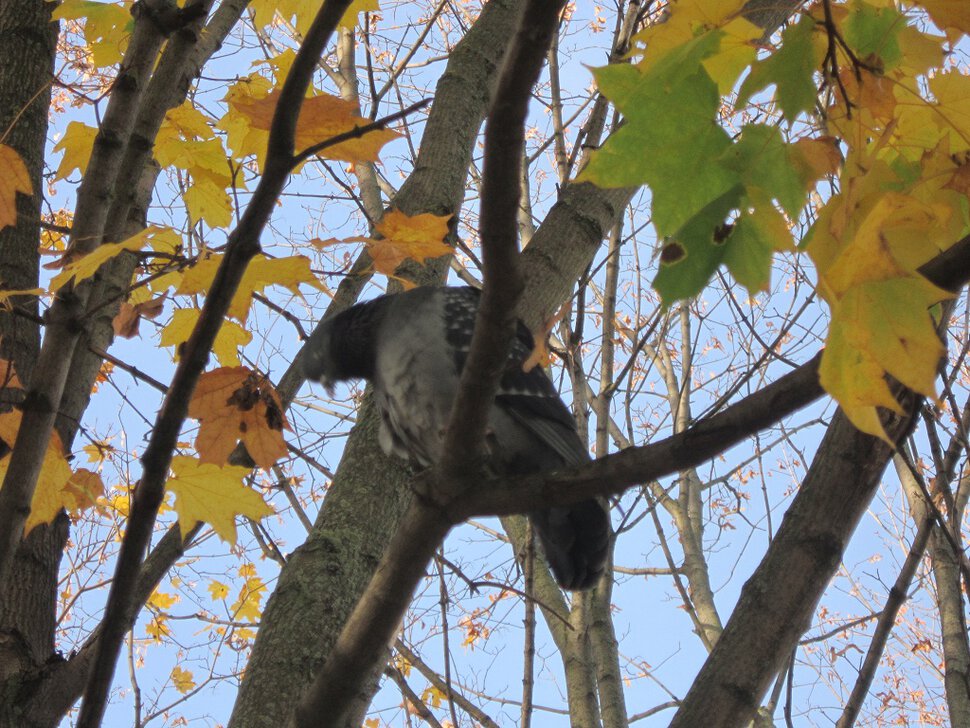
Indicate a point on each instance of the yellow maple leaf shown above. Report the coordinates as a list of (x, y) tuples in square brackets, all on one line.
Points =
[(206, 159), (51, 494), (735, 53), (247, 606), (816, 158), (183, 680), (230, 337), (321, 118), (208, 202), (216, 495), (98, 450), (952, 93), (162, 601), (235, 404), (302, 11), (349, 18), (77, 143), (948, 15), (157, 628), (54, 238), (87, 265), (280, 65), (241, 136), (107, 27), (685, 20), (13, 180), (188, 122), (880, 327), (920, 51), (218, 590), (288, 272)]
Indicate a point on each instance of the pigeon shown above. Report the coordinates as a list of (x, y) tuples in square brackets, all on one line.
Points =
[(412, 347)]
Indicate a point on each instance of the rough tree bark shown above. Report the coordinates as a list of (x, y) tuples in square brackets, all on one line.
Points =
[(28, 598)]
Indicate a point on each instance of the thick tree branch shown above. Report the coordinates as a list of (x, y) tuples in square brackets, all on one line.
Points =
[(377, 616)]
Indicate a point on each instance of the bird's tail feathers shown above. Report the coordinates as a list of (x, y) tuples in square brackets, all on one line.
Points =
[(576, 542)]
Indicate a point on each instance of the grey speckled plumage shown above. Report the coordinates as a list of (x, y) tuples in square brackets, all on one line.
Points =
[(412, 347)]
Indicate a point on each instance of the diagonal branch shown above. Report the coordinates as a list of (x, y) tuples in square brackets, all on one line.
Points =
[(242, 246), (612, 474)]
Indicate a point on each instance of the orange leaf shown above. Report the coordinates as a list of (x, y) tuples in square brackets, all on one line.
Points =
[(85, 486), (236, 404), (321, 118), (129, 316), (417, 237)]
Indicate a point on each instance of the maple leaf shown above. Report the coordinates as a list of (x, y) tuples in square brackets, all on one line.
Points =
[(321, 118), (816, 158), (107, 27), (126, 321), (241, 137), (157, 628), (216, 495), (791, 69), (236, 404), (247, 606), (880, 327), (229, 338), (262, 271), (14, 179), (161, 600), (85, 487), (183, 680), (208, 202), (77, 143), (54, 237), (98, 450), (949, 15), (417, 237), (405, 237), (218, 590), (349, 18), (52, 493), (77, 269)]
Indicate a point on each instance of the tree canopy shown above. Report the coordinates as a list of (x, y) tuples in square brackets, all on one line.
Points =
[(739, 232)]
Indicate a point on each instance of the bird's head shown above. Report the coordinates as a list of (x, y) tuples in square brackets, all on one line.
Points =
[(319, 362), (344, 346)]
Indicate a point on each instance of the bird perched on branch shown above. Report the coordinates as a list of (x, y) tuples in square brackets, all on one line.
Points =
[(412, 347)]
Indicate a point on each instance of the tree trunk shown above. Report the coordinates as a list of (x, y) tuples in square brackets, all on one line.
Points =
[(28, 598)]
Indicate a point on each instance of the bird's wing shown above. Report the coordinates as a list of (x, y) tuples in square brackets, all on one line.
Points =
[(528, 396)]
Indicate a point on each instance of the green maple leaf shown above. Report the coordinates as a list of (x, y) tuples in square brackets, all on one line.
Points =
[(873, 32), (791, 69)]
